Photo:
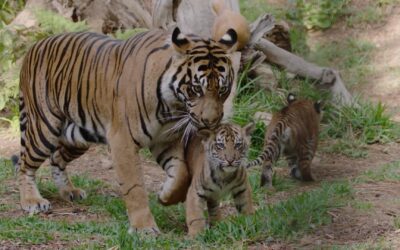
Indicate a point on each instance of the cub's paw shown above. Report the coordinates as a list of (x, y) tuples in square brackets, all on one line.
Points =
[(295, 173), (147, 231), (35, 205), (73, 194)]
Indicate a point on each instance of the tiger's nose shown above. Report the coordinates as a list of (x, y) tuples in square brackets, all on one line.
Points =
[(211, 123)]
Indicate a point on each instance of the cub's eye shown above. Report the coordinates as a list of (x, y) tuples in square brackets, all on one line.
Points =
[(197, 88), (223, 89), (238, 145), (219, 145)]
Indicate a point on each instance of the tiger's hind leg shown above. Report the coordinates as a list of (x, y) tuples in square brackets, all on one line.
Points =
[(37, 143), (58, 161), (301, 166), (293, 162), (266, 174)]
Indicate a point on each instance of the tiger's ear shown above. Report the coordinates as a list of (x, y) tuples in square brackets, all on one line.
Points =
[(180, 41), (318, 106), (249, 128), (291, 98), (229, 40)]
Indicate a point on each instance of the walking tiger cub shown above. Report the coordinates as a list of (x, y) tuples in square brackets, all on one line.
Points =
[(215, 161), (294, 131)]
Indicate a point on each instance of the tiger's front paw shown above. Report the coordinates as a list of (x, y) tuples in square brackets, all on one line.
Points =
[(147, 231), (73, 194), (35, 205)]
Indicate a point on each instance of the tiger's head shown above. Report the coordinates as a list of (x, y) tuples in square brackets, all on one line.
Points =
[(203, 76), (227, 146)]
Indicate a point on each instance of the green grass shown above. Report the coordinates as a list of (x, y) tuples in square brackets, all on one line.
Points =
[(373, 13), (362, 205), (284, 220), (252, 9), (388, 172), (351, 57)]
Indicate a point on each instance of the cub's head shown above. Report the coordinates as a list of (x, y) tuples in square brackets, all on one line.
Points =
[(226, 147), (203, 76)]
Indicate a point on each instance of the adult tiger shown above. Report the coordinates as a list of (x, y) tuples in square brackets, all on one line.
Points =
[(81, 88)]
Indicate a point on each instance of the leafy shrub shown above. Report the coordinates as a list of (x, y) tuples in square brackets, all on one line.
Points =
[(317, 14)]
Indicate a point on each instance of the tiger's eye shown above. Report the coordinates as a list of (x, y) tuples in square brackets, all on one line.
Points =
[(197, 88), (223, 89)]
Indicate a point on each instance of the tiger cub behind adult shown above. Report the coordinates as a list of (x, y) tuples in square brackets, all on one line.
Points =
[(215, 161), (294, 131)]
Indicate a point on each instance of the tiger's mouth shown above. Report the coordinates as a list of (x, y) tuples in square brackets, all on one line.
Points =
[(204, 124)]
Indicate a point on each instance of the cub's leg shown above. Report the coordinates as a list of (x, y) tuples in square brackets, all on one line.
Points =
[(171, 158), (305, 166), (195, 220), (37, 143), (58, 161), (266, 174), (125, 156), (293, 162), (243, 198), (214, 211)]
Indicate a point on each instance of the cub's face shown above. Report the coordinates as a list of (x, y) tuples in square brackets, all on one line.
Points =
[(226, 147), (206, 76)]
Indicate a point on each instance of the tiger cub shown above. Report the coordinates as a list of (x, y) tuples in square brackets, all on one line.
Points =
[(215, 160), (294, 131)]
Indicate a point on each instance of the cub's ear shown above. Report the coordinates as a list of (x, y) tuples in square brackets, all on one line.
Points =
[(229, 40), (249, 128), (318, 106), (180, 41), (291, 98)]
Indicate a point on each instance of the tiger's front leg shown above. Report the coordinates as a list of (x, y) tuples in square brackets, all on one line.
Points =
[(126, 161), (195, 219), (171, 158)]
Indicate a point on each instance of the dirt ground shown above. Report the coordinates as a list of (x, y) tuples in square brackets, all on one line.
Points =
[(349, 225)]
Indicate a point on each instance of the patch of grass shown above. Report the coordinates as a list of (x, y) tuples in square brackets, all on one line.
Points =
[(369, 15), (146, 153), (6, 169), (397, 222), (124, 35), (367, 122), (348, 146), (362, 205), (376, 244), (351, 57), (389, 172), (252, 9), (317, 14), (286, 219)]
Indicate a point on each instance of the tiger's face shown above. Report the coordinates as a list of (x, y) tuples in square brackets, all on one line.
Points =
[(227, 146), (207, 76)]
